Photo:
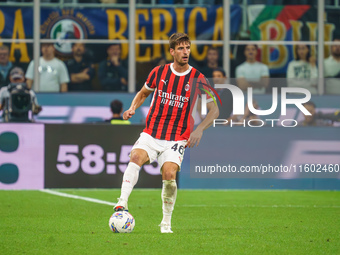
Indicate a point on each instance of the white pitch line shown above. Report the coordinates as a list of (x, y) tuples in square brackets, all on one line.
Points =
[(93, 200), (265, 206)]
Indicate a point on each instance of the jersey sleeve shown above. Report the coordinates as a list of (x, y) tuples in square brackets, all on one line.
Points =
[(205, 88), (150, 83)]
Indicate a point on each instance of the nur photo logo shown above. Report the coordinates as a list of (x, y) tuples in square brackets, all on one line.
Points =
[(239, 106)]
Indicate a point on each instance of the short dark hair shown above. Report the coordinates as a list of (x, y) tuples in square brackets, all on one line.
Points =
[(220, 69), (311, 103), (4, 47), (178, 38), (74, 43), (255, 45), (46, 44), (113, 44), (212, 48), (116, 106)]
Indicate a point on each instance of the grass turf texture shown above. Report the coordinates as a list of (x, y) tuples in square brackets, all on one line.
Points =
[(204, 222)]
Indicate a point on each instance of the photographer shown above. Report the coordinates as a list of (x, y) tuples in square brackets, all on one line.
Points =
[(17, 84), (318, 119)]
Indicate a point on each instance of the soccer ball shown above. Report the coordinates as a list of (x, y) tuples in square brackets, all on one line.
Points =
[(122, 222)]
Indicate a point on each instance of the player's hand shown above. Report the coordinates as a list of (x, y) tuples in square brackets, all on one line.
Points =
[(85, 75), (195, 138), (115, 60), (123, 81), (128, 114)]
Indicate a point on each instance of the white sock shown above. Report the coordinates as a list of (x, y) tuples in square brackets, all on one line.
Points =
[(130, 179), (169, 193)]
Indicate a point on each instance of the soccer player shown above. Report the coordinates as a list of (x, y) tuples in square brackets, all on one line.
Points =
[(168, 125)]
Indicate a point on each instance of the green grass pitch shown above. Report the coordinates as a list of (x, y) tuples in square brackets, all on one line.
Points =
[(204, 222)]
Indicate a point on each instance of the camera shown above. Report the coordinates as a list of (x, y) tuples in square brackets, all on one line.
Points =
[(18, 103), (334, 117)]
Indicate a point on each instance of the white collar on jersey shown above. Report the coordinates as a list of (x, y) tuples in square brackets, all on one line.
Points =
[(177, 73)]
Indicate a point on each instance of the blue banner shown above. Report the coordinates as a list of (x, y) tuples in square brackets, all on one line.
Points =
[(201, 23)]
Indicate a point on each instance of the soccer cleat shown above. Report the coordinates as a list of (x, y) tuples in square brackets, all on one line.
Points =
[(165, 228), (121, 205)]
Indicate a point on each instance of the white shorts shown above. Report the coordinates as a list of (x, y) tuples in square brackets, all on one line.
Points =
[(162, 150)]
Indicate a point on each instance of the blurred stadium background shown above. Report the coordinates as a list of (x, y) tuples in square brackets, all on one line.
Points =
[(66, 147), (60, 174)]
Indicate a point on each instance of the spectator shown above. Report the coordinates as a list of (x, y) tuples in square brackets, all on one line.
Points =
[(53, 72), (220, 77), (17, 76), (68, 1), (80, 69), (212, 61), (302, 72), (252, 73), (113, 1), (112, 74), (332, 69), (267, 2), (5, 64), (117, 110), (313, 120)]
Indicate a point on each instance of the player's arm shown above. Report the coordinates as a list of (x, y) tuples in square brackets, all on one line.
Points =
[(63, 87), (196, 135), (243, 83), (29, 83), (81, 76), (137, 102)]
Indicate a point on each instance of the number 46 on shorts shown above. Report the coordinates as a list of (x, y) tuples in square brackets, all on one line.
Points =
[(180, 148)]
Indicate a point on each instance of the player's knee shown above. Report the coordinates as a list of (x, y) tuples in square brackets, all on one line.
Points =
[(169, 172), (137, 158), (167, 175)]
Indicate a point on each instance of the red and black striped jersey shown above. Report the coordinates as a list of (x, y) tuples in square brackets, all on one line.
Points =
[(174, 98)]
